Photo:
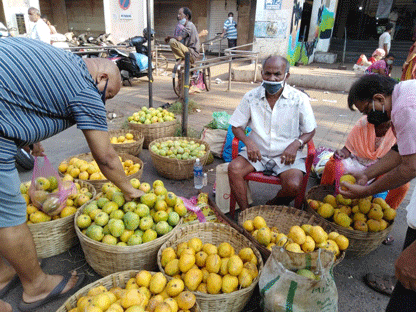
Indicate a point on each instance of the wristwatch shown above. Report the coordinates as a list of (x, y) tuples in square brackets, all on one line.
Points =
[(301, 142)]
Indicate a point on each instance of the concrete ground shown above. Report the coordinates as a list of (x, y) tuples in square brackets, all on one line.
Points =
[(334, 122)]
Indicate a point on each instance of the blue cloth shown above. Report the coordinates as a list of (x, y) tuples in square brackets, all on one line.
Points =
[(231, 29), (382, 195), (227, 151), (142, 61), (12, 204), (43, 91)]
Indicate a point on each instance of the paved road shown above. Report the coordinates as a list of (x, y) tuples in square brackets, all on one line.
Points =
[(334, 122)]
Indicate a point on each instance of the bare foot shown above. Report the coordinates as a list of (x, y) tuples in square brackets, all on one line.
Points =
[(6, 276), (46, 286), (5, 307)]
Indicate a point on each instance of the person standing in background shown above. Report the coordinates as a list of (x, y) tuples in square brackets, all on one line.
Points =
[(230, 28), (40, 30), (384, 42), (393, 17)]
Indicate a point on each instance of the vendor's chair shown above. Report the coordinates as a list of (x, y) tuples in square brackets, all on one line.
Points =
[(258, 176)]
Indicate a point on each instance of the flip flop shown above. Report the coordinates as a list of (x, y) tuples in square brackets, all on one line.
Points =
[(383, 284), (13, 282), (54, 294)]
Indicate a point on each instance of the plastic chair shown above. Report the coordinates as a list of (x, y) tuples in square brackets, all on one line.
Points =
[(258, 176)]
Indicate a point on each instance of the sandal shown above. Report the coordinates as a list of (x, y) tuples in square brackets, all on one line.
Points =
[(383, 284), (389, 240), (55, 293)]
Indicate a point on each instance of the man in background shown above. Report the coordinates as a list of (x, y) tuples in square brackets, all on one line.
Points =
[(384, 42), (40, 30), (230, 30)]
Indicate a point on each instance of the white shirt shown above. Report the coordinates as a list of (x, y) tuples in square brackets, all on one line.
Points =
[(274, 130), (41, 31), (385, 38)]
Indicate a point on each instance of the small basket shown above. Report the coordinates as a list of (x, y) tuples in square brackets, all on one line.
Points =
[(283, 218), (133, 148), (216, 233), (108, 259), (361, 243), (114, 280), (176, 169), (57, 236), (99, 183), (155, 131)]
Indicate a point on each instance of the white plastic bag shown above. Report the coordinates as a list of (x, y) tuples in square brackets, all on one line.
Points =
[(222, 189), (283, 290)]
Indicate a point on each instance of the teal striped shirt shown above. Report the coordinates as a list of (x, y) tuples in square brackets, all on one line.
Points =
[(231, 29), (43, 91)]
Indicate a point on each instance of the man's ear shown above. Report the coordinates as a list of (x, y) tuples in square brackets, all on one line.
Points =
[(102, 76), (287, 75)]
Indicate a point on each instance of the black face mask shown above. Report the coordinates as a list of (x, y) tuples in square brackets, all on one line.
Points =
[(376, 117), (102, 93)]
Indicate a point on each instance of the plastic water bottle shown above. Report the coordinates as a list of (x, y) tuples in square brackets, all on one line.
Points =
[(198, 175)]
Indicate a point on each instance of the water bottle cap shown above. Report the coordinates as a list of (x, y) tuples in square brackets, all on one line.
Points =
[(197, 160)]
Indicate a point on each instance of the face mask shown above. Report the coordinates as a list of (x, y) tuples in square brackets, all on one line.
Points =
[(102, 93), (182, 21), (376, 117), (389, 62), (230, 18), (272, 87)]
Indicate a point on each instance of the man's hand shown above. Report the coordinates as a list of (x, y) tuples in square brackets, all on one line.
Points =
[(38, 150), (167, 39), (349, 190), (406, 267), (341, 154), (135, 194), (253, 152), (289, 154)]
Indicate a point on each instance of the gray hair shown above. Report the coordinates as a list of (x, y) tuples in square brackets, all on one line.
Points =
[(278, 56), (33, 11)]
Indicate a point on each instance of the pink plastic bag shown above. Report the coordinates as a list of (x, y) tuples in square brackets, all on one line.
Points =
[(47, 191)]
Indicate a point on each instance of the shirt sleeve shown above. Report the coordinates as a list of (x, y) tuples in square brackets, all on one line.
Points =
[(404, 121), (241, 115), (225, 25), (88, 110), (307, 122), (185, 32)]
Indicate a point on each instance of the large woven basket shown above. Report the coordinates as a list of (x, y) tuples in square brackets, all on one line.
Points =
[(283, 218), (114, 280), (176, 169), (216, 233), (108, 259), (361, 243), (57, 236), (98, 183), (133, 148), (155, 131)]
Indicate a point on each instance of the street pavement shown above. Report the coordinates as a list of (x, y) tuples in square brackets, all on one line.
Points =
[(334, 121)]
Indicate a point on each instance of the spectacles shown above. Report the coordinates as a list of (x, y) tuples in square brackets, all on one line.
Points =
[(269, 167)]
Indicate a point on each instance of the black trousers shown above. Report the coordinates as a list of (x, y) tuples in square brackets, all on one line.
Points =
[(403, 299), (232, 43)]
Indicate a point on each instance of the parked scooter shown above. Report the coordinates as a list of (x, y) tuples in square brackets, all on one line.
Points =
[(134, 64)]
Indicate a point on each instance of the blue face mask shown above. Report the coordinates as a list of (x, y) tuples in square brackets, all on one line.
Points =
[(272, 87), (102, 93), (182, 21)]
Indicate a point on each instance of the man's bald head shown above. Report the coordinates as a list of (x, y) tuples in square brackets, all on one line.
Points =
[(103, 70), (277, 60)]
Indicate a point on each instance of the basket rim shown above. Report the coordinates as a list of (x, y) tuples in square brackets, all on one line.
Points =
[(199, 227), (154, 125), (41, 225), (135, 133), (119, 248), (263, 208)]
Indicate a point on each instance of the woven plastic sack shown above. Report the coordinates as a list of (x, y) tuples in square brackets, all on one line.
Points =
[(283, 290), (47, 191)]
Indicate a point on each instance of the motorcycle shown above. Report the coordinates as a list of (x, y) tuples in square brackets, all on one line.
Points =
[(133, 64)]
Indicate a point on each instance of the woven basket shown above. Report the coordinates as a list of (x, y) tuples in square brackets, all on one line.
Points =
[(114, 280), (176, 169), (155, 131), (57, 236), (108, 259), (216, 233), (361, 243), (98, 183), (283, 218), (133, 148)]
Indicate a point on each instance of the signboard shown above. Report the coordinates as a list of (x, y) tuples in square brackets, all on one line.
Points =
[(266, 29), (125, 16), (273, 4)]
